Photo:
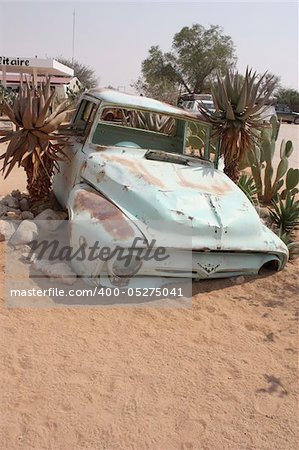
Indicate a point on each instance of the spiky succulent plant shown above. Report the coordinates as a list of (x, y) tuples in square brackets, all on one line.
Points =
[(247, 185), (238, 102), (34, 145), (291, 243), (285, 213), (152, 122)]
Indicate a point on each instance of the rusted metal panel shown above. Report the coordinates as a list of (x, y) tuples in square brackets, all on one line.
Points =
[(106, 213)]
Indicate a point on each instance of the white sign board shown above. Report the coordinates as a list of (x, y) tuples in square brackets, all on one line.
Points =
[(13, 64)]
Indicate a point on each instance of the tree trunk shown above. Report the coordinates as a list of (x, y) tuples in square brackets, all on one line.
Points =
[(39, 188), (232, 171)]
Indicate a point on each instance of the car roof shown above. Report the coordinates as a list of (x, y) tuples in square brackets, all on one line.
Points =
[(112, 97)]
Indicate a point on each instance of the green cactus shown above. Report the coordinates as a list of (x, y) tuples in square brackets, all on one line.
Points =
[(272, 188), (268, 181), (286, 149), (292, 179)]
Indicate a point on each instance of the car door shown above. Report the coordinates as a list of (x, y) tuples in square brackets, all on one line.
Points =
[(68, 173)]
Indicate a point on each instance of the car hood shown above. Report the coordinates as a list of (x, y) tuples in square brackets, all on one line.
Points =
[(179, 205)]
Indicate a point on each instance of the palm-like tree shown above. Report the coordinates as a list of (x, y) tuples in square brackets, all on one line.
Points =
[(239, 102), (35, 145)]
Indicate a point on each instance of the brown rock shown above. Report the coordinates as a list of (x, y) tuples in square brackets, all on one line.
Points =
[(12, 215), (11, 202), (27, 215), (16, 194), (3, 210), (24, 204)]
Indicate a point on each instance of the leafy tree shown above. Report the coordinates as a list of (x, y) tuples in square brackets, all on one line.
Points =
[(288, 97), (275, 80), (85, 74), (159, 77), (197, 54)]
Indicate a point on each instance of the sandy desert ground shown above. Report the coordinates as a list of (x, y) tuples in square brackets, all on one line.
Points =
[(222, 374)]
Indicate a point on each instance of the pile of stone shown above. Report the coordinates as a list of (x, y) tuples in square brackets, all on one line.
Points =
[(18, 220), (20, 224), (15, 206)]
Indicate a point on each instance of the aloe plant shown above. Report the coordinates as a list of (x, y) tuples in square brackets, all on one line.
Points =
[(285, 213), (247, 185), (35, 145), (238, 103), (152, 122)]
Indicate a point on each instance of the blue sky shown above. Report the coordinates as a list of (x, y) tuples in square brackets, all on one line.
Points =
[(114, 37)]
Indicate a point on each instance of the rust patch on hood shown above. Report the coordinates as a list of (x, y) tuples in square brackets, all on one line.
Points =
[(219, 189), (105, 212), (137, 169)]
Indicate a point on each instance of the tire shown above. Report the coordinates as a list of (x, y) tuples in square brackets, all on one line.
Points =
[(296, 121)]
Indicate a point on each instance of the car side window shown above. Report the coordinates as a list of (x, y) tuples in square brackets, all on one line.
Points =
[(84, 117)]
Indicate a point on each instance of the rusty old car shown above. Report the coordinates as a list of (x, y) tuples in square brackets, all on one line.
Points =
[(141, 171)]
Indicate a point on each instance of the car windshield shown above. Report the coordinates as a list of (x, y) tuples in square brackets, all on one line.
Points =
[(131, 128)]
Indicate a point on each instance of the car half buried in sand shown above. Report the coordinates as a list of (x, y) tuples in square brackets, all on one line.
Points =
[(143, 174)]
